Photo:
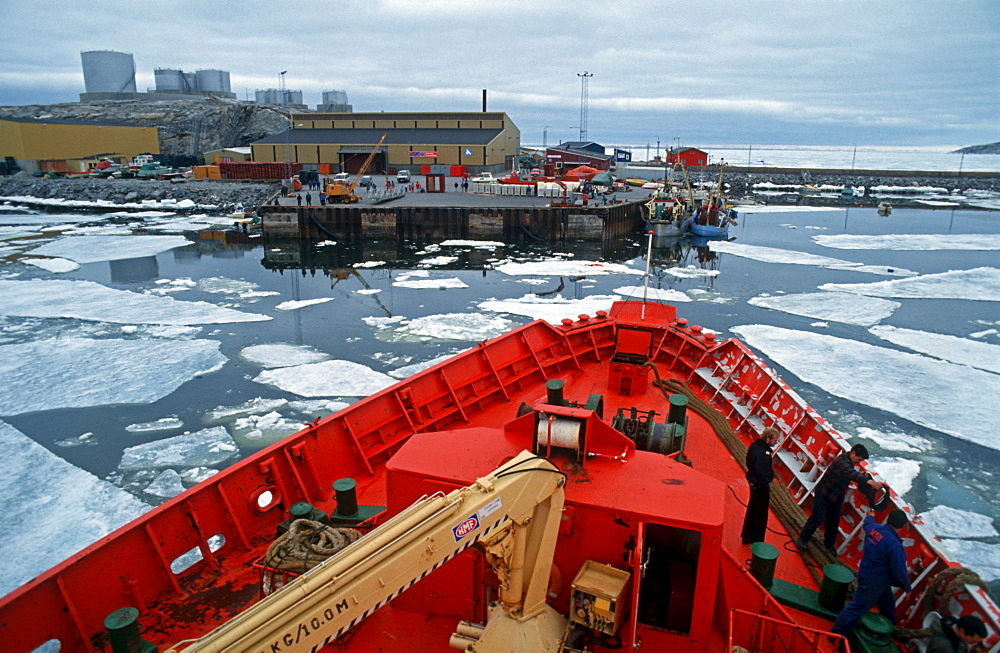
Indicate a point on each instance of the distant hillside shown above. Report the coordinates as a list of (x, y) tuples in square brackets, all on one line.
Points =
[(992, 148), (187, 125)]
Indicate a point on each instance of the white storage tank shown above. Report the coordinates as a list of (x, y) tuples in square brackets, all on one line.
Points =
[(335, 97), (170, 79), (106, 71), (212, 80)]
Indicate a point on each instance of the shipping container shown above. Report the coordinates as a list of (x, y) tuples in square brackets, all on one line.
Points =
[(457, 171)]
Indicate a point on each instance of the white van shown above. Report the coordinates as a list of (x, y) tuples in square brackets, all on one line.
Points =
[(342, 177), (403, 176)]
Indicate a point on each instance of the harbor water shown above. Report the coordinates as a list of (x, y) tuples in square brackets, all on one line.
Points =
[(139, 354)]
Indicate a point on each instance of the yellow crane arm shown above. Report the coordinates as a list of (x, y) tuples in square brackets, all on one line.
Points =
[(366, 164), (518, 504)]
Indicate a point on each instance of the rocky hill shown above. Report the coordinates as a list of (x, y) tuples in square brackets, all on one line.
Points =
[(187, 125), (991, 148)]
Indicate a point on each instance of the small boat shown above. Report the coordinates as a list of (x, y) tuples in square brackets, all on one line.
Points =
[(884, 208), (568, 487)]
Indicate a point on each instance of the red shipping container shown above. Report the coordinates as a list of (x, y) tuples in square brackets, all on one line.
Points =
[(457, 171)]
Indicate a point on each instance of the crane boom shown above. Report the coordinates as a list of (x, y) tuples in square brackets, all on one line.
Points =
[(339, 192), (516, 508)]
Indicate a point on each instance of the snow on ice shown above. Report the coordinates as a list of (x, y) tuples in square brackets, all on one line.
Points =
[(963, 351), (60, 373), (281, 355), (790, 257), (302, 303), (872, 376), (947, 522), (910, 242), (94, 249), (41, 495), (977, 284), (560, 267), (87, 300), (551, 309), (832, 306), (206, 448), (334, 378)]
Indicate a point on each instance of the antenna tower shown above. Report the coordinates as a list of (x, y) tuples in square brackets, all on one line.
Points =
[(584, 83)]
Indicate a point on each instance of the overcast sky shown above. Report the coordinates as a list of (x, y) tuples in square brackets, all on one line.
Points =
[(864, 72)]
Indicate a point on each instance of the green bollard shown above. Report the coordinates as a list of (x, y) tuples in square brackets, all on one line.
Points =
[(123, 632), (874, 634), (833, 591), (762, 563)]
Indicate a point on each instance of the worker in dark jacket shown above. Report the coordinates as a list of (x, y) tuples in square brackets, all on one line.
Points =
[(956, 634), (759, 476), (828, 497), (883, 566)]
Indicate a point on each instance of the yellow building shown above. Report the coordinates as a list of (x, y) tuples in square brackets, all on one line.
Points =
[(60, 142), (482, 141)]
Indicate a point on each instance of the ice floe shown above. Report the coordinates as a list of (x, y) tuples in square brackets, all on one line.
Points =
[(257, 431), (561, 267), (963, 351), (83, 372), (42, 495), (947, 522), (166, 485), (206, 448), (901, 442), (54, 265), (255, 406), (93, 249), (472, 327), (834, 306), (281, 355), (791, 257), (410, 370), (551, 309), (874, 376), (334, 378), (87, 300), (897, 472), (690, 272), (982, 557), (977, 284), (302, 303), (437, 261), (777, 208), (433, 284), (654, 294), (473, 244), (911, 242), (162, 424)]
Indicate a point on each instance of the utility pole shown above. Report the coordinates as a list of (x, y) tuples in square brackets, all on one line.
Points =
[(584, 83)]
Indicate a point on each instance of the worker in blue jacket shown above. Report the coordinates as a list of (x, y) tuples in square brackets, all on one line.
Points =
[(883, 566)]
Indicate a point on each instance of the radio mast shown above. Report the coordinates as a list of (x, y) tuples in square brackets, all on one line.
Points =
[(584, 82)]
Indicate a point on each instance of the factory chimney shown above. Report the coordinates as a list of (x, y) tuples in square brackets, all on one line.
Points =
[(484, 100)]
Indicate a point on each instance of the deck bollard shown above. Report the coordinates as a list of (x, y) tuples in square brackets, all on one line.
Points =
[(763, 559), (833, 591)]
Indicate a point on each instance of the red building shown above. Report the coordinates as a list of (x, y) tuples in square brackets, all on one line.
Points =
[(567, 156), (688, 156)]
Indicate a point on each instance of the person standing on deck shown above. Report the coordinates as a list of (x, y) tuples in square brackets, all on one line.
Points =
[(883, 566), (759, 476), (828, 497)]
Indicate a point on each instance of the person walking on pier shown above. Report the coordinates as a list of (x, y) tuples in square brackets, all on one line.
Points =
[(309, 199), (882, 567), (759, 475), (828, 497)]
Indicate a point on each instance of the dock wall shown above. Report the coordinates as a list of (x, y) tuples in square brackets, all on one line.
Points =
[(511, 225)]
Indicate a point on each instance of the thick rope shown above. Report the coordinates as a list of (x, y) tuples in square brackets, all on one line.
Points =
[(788, 512), (940, 589), (307, 544)]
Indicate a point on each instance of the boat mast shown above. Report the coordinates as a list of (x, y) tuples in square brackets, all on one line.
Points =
[(645, 278)]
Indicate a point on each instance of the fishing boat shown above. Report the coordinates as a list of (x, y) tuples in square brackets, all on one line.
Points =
[(563, 487)]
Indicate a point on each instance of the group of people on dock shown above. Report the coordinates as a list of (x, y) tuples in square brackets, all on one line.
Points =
[(883, 562)]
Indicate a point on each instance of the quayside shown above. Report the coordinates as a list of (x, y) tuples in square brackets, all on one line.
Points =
[(611, 445)]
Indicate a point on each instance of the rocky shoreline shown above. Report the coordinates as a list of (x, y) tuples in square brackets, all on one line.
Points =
[(235, 196), (228, 196)]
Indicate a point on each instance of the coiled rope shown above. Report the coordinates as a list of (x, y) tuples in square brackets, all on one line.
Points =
[(306, 544)]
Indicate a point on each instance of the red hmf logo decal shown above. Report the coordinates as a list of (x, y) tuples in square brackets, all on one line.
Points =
[(466, 527)]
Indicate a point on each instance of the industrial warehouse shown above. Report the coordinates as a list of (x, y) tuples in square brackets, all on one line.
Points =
[(340, 142)]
